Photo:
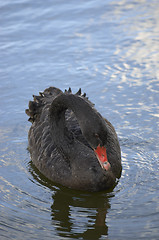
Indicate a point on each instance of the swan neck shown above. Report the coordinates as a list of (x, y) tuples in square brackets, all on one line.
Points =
[(61, 136), (88, 118)]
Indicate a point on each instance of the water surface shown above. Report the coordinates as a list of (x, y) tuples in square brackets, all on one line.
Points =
[(111, 50)]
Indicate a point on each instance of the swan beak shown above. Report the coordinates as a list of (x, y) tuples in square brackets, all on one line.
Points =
[(102, 157)]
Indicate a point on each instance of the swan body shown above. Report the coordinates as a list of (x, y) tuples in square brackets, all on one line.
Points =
[(71, 143)]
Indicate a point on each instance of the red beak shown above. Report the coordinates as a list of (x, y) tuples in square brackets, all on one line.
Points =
[(102, 157)]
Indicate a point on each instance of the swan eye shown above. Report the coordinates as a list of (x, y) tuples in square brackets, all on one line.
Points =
[(98, 140), (96, 135)]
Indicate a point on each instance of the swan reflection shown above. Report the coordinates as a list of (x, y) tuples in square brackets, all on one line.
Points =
[(80, 215), (75, 213)]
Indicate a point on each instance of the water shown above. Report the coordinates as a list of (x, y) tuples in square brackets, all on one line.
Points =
[(111, 50)]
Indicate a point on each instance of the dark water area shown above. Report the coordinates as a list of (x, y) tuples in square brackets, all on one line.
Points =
[(111, 50)]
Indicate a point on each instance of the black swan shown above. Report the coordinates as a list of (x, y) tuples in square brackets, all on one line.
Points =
[(71, 143)]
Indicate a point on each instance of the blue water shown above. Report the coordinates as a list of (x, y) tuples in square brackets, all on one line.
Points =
[(111, 50)]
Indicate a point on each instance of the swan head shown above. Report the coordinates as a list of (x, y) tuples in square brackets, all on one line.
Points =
[(97, 138)]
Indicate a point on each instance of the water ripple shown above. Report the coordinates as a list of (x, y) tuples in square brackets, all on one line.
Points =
[(110, 49)]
